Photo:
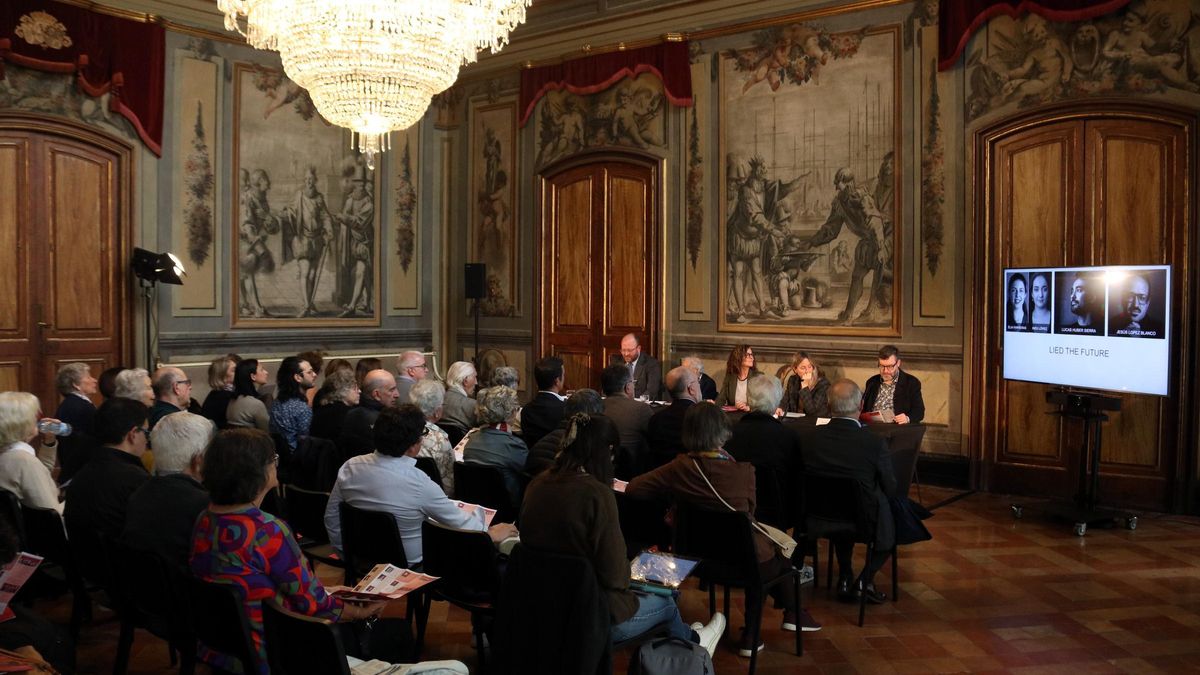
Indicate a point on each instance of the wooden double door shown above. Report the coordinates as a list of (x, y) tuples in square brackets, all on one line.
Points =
[(64, 224), (1071, 188), (600, 275)]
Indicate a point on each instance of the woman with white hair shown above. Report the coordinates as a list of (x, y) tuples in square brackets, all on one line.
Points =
[(459, 408), (134, 384), (429, 396), (24, 471), (493, 444)]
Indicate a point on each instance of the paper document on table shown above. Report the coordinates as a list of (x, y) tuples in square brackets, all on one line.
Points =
[(468, 507), (793, 414), (878, 417), (458, 455), (386, 582), (13, 576), (620, 485), (821, 421)]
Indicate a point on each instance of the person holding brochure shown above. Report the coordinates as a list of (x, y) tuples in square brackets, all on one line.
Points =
[(894, 390), (254, 552), (571, 509), (388, 480)]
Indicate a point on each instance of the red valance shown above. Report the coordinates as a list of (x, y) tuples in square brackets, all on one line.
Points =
[(107, 54), (591, 74), (958, 20)]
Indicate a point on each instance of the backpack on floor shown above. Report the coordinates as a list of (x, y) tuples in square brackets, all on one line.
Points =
[(671, 656)]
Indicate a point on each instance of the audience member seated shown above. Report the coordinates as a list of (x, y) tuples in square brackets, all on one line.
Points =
[(24, 471), (98, 496), (75, 384), (134, 384), (542, 454), (221, 373), (327, 386), (492, 444), (35, 640), (290, 414), (163, 510), (644, 370), (844, 448), (664, 431), (894, 390), (364, 366), (247, 410), (506, 376), (631, 417), (459, 408), (807, 388), (708, 386), (429, 396), (738, 370), (487, 362), (687, 480), (389, 480), (316, 360), (762, 440), (331, 407), (571, 509), (107, 382), (545, 410), (410, 367), (172, 393), (254, 552), (378, 392)]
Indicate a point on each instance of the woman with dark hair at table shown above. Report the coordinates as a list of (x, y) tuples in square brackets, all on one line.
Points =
[(738, 370), (571, 509), (254, 552), (808, 390), (1017, 315), (247, 409)]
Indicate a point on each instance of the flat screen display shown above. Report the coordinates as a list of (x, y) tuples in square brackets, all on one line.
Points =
[(1092, 327)]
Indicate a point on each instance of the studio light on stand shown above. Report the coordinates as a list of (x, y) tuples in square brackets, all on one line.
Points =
[(152, 268)]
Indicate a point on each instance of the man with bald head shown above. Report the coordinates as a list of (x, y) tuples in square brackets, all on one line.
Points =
[(664, 432), (410, 367), (645, 370), (172, 393), (379, 391)]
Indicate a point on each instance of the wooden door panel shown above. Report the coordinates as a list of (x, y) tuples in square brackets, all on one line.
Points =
[(78, 223), (572, 256), (1033, 435), (578, 366), (1041, 212), (628, 251), (12, 376), (14, 297)]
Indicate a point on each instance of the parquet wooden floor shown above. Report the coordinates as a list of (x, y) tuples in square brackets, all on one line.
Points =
[(988, 594)]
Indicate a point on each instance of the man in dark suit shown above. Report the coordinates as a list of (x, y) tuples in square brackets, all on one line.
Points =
[(771, 447), (664, 431), (1133, 318), (543, 453), (358, 436), (645, 370), (630, 417), (545, 410), (894, 390), (844, 448), (76, 384)]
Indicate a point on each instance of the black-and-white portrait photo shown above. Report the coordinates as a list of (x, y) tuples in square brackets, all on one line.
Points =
[(1080, 302), (1136, 305)]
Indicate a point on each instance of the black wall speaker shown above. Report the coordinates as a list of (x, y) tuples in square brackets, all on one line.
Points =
[(474, 280)]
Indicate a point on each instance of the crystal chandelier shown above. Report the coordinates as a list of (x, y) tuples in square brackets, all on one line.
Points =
[(372, 66)]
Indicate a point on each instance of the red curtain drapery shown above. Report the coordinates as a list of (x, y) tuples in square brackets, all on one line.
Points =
[(591, 74), (107, 54), (959, 19)]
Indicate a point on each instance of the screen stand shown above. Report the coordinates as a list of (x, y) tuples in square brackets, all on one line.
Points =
[(1090, 408)]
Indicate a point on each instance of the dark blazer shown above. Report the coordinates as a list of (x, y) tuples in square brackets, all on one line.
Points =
[(631, 417), (844, 448), (541, 415), (907, 398), (728, 393), (79, 413), (708, 388), (327, 420), (215, 405), (766, 443), (73, 450), (647, 375), (358, 435), (664, 432), (161, 514), (542, 454), (98, 499)]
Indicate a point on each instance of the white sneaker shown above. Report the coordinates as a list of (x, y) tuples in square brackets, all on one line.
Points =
[(711, 634)]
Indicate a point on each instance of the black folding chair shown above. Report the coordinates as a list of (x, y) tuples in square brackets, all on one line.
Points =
[(834, 507), (724, 542), (146, 597), (299, 645), (643, 524), (454, 431), (45, 536), (220, 622), (306, 515), (484, 485), (430, 468), (465, 562)]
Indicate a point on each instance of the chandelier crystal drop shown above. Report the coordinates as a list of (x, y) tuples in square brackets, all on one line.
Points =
[(372, 66)]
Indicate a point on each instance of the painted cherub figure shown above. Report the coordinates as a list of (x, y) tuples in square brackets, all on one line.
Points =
[(1129, 44), (1045, 67)]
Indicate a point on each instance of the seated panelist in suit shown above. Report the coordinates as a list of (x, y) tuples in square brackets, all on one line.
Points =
[(545, 410), (895, 390), (645, 369)]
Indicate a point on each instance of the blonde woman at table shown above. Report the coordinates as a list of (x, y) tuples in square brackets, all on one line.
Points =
[(738, 370), (808, 391)]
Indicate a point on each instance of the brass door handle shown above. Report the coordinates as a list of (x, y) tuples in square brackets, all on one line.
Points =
[(43, 324)]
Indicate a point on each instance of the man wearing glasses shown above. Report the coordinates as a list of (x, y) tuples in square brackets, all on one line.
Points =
[(172, 393), (894, 390), (410, 367)]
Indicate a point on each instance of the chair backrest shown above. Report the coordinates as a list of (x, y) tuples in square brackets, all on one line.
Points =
[(722, 540), (771, 506), (481, 484), (454, 431), (299, 645), (551, 616), (463, 560), (219, 619), (144, 585), (45, 535), (306, 512), (831, 505), (10, 512), (643, 523), (285, 454), (430, 468), (274, 504), (905, 448), (368, 539), (315, 464)]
